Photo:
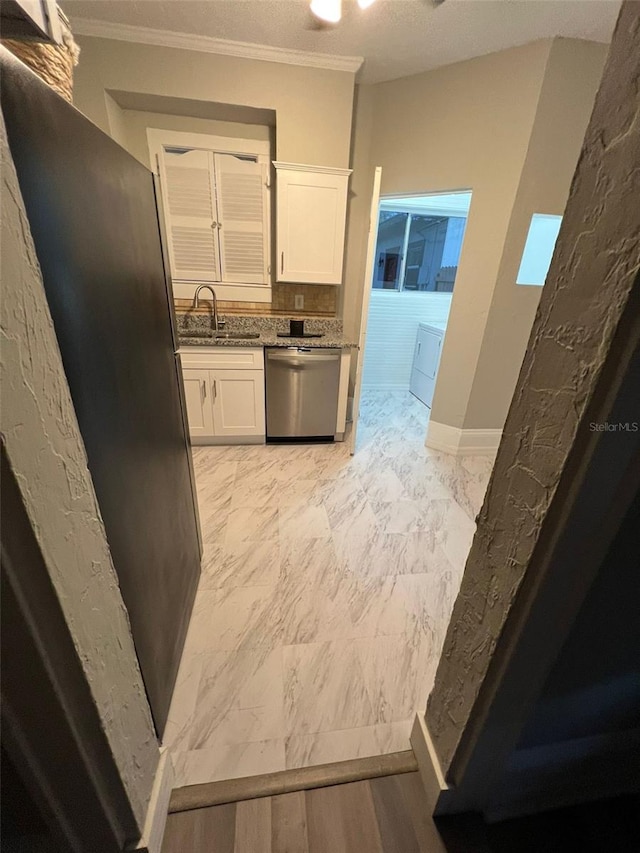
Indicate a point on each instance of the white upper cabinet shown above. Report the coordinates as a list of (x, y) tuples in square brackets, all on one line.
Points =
[(216, 208), (311, 217)]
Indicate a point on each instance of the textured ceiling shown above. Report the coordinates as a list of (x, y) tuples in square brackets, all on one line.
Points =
[(396, 37)]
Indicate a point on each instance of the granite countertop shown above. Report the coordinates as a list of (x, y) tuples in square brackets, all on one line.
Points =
[(267, 340), (266, 327)]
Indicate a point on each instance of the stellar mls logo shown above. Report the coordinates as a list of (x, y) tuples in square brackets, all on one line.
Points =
[(629, 426)]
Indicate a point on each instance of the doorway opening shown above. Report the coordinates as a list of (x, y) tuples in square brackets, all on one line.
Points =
[(321, 569), (418, 247)]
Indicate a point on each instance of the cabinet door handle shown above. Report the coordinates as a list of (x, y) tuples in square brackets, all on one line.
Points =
[(419, 345), (203, 390), (215, 390), (281, 262)]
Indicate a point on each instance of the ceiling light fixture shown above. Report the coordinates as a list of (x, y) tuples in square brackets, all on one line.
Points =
[(331, 10), (327, 10)]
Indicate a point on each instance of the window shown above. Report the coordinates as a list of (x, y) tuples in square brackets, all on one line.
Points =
[(420, 241), (425, 245), (538, 249), (216, 200)]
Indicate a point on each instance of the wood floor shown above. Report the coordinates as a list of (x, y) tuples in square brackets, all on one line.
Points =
[(384, 815), (388, 815)]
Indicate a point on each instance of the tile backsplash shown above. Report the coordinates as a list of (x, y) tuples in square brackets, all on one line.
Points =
[(320, 300)]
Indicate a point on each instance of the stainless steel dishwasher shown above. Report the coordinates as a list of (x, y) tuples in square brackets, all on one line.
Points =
[(302, 392)]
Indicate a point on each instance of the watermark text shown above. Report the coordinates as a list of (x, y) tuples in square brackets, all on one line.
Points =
[(607, 426)]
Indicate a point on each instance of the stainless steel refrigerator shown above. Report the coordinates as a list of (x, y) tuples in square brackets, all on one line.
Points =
[(93, 216)]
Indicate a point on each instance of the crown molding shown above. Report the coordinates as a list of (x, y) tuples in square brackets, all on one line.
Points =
[(207, 44), (280, 165)]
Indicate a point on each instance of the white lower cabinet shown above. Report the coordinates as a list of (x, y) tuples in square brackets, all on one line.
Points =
[(224, 390), (238, 402), (199, 408)]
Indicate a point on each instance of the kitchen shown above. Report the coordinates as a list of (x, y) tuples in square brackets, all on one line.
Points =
[(310, 554), (314, 547), (307, 579)]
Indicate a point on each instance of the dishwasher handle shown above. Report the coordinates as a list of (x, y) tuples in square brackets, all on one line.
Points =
[(302, 355)]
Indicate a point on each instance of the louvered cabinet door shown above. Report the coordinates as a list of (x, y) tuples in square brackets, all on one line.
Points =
[(243, 218), (191, 215)]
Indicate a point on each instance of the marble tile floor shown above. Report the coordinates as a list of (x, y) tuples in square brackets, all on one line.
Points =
[(327, 585)]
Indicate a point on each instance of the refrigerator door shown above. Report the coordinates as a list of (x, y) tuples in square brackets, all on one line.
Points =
[(165, 263), (93, 217), (185, 423)]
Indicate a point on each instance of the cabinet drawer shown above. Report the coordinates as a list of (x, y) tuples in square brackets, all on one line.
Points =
[(221, 358)]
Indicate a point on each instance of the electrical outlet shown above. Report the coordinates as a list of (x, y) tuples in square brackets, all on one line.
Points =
[(298, 301)]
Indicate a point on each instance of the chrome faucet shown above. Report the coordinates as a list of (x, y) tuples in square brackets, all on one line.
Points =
[(216, 325)]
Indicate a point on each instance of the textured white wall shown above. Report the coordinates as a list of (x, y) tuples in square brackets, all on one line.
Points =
[(575, 339), (47, 455)]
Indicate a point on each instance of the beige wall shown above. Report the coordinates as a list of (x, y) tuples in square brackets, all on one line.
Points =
[(466, 126), (134, 124), (508, 126), (360, 189), (572, 77), (313, 106), (116, 122)]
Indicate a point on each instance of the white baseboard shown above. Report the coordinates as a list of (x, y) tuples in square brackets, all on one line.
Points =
[(154, 825), (224, 440), (462, 442), (439, 794)]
